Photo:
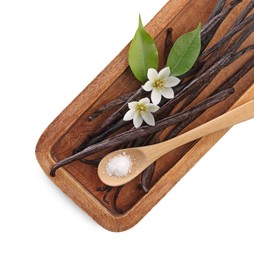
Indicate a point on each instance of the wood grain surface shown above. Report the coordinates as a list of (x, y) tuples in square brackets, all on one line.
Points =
[(71, 127)]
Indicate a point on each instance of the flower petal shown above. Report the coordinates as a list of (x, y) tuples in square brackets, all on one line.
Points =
[(168, 93), (156, 96), (148, 118), (171, 82), (129, 115), (152, 74), (144, 101), (164, 73), (132, 105), (137, 120), (152, 108), (148, 86)]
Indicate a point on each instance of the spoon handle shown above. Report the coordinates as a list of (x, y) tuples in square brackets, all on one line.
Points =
[(235, 116)]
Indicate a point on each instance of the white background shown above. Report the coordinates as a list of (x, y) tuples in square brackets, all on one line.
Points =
[(49, 51)]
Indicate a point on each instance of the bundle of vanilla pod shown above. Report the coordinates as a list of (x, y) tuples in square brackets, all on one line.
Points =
[(177, 113)]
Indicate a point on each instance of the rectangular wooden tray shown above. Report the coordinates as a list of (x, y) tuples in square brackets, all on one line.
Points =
[(70, 128)]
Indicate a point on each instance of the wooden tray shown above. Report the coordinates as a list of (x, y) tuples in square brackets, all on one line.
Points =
[(70, 128)]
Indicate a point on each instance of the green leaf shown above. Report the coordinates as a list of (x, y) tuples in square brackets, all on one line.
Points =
[(185, 52), (143, 53)]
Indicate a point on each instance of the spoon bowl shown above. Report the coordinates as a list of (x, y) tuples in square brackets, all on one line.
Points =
[(142, 157), (136, 155)]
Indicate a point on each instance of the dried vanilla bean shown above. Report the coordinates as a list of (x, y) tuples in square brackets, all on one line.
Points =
[(217, 9), (244, 13), (232, 80), (119, 124), (119, 113), (146, 177), (168, 44), (92, 162), (116, 102), (241, 39), (147, 174), (217, 19), (107, 190), (116, 195)]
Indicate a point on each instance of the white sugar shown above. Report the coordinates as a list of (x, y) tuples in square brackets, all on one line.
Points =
[(119, 165)]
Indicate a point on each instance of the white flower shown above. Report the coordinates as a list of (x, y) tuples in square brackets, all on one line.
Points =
[(160, 84), (141, 110)]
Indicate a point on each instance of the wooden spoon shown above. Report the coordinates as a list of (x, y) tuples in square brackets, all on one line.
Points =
[(142, 157)]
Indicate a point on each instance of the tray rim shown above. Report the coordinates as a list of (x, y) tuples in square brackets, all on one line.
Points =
[(79, 194)]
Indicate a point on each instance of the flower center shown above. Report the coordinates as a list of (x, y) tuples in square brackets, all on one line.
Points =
[(158, 83), (141, 108)]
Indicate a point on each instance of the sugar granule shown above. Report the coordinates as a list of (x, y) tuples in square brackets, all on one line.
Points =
[(119, 165)]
